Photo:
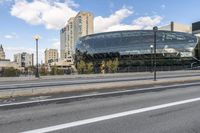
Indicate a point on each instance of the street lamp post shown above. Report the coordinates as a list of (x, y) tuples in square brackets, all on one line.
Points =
[(151, 46), (37, 37), (155, 29)]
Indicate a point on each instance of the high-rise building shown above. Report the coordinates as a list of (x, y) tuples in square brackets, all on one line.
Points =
[(51, 55), (2, 53), (67, 39), (83, 25), (177, 27), (78, 26), (24, 59), (70, 36), (63, 43)]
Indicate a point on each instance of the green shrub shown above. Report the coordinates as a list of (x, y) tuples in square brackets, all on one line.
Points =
[(10, 72), (43, 71), (56, 71)]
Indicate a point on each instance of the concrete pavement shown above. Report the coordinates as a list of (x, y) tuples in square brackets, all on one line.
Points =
[(180, 118)]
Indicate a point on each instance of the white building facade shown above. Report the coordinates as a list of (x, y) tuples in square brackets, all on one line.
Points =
[(24, 59)]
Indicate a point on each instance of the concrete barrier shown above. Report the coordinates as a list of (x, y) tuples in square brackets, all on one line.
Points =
[(95, 86)]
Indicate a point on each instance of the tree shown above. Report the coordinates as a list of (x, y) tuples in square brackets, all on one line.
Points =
[(89, 68), (81, 67), (56, 71), (43, 71), (10, 72), (115, 65), (102, 66), (109, 66), (53, 70), (60, 72), (112, 66)]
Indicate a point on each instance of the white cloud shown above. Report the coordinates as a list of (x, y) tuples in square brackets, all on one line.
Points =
[(11, 36), (8, 36), (52, 14), (141, 23), (148, 22), (104, 23), (115, 21)]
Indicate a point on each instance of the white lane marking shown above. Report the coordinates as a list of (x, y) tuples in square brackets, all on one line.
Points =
[(108, 117), (98, 94)]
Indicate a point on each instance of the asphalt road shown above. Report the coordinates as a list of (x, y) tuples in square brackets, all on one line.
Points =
[(98, 79), (169, 111)]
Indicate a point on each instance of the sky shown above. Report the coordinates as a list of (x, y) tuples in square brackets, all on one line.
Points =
[(22, 19)]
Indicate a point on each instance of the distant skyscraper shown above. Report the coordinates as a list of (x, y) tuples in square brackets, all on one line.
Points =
[(80, 25), (24, 59), (177, 27), (2, 53), (51, 55)]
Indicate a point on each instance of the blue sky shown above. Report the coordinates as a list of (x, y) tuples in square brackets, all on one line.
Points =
[(21, 19)]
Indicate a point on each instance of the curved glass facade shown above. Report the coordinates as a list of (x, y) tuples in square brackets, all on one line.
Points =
[(124, 44)]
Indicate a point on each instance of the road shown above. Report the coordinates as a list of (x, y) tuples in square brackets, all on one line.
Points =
[(90, 79), (168, 111)]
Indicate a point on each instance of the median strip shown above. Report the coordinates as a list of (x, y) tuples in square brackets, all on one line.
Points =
[(114, 93), (38, 91)]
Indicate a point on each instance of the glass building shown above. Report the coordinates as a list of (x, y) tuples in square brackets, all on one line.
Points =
[(175, 50)]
